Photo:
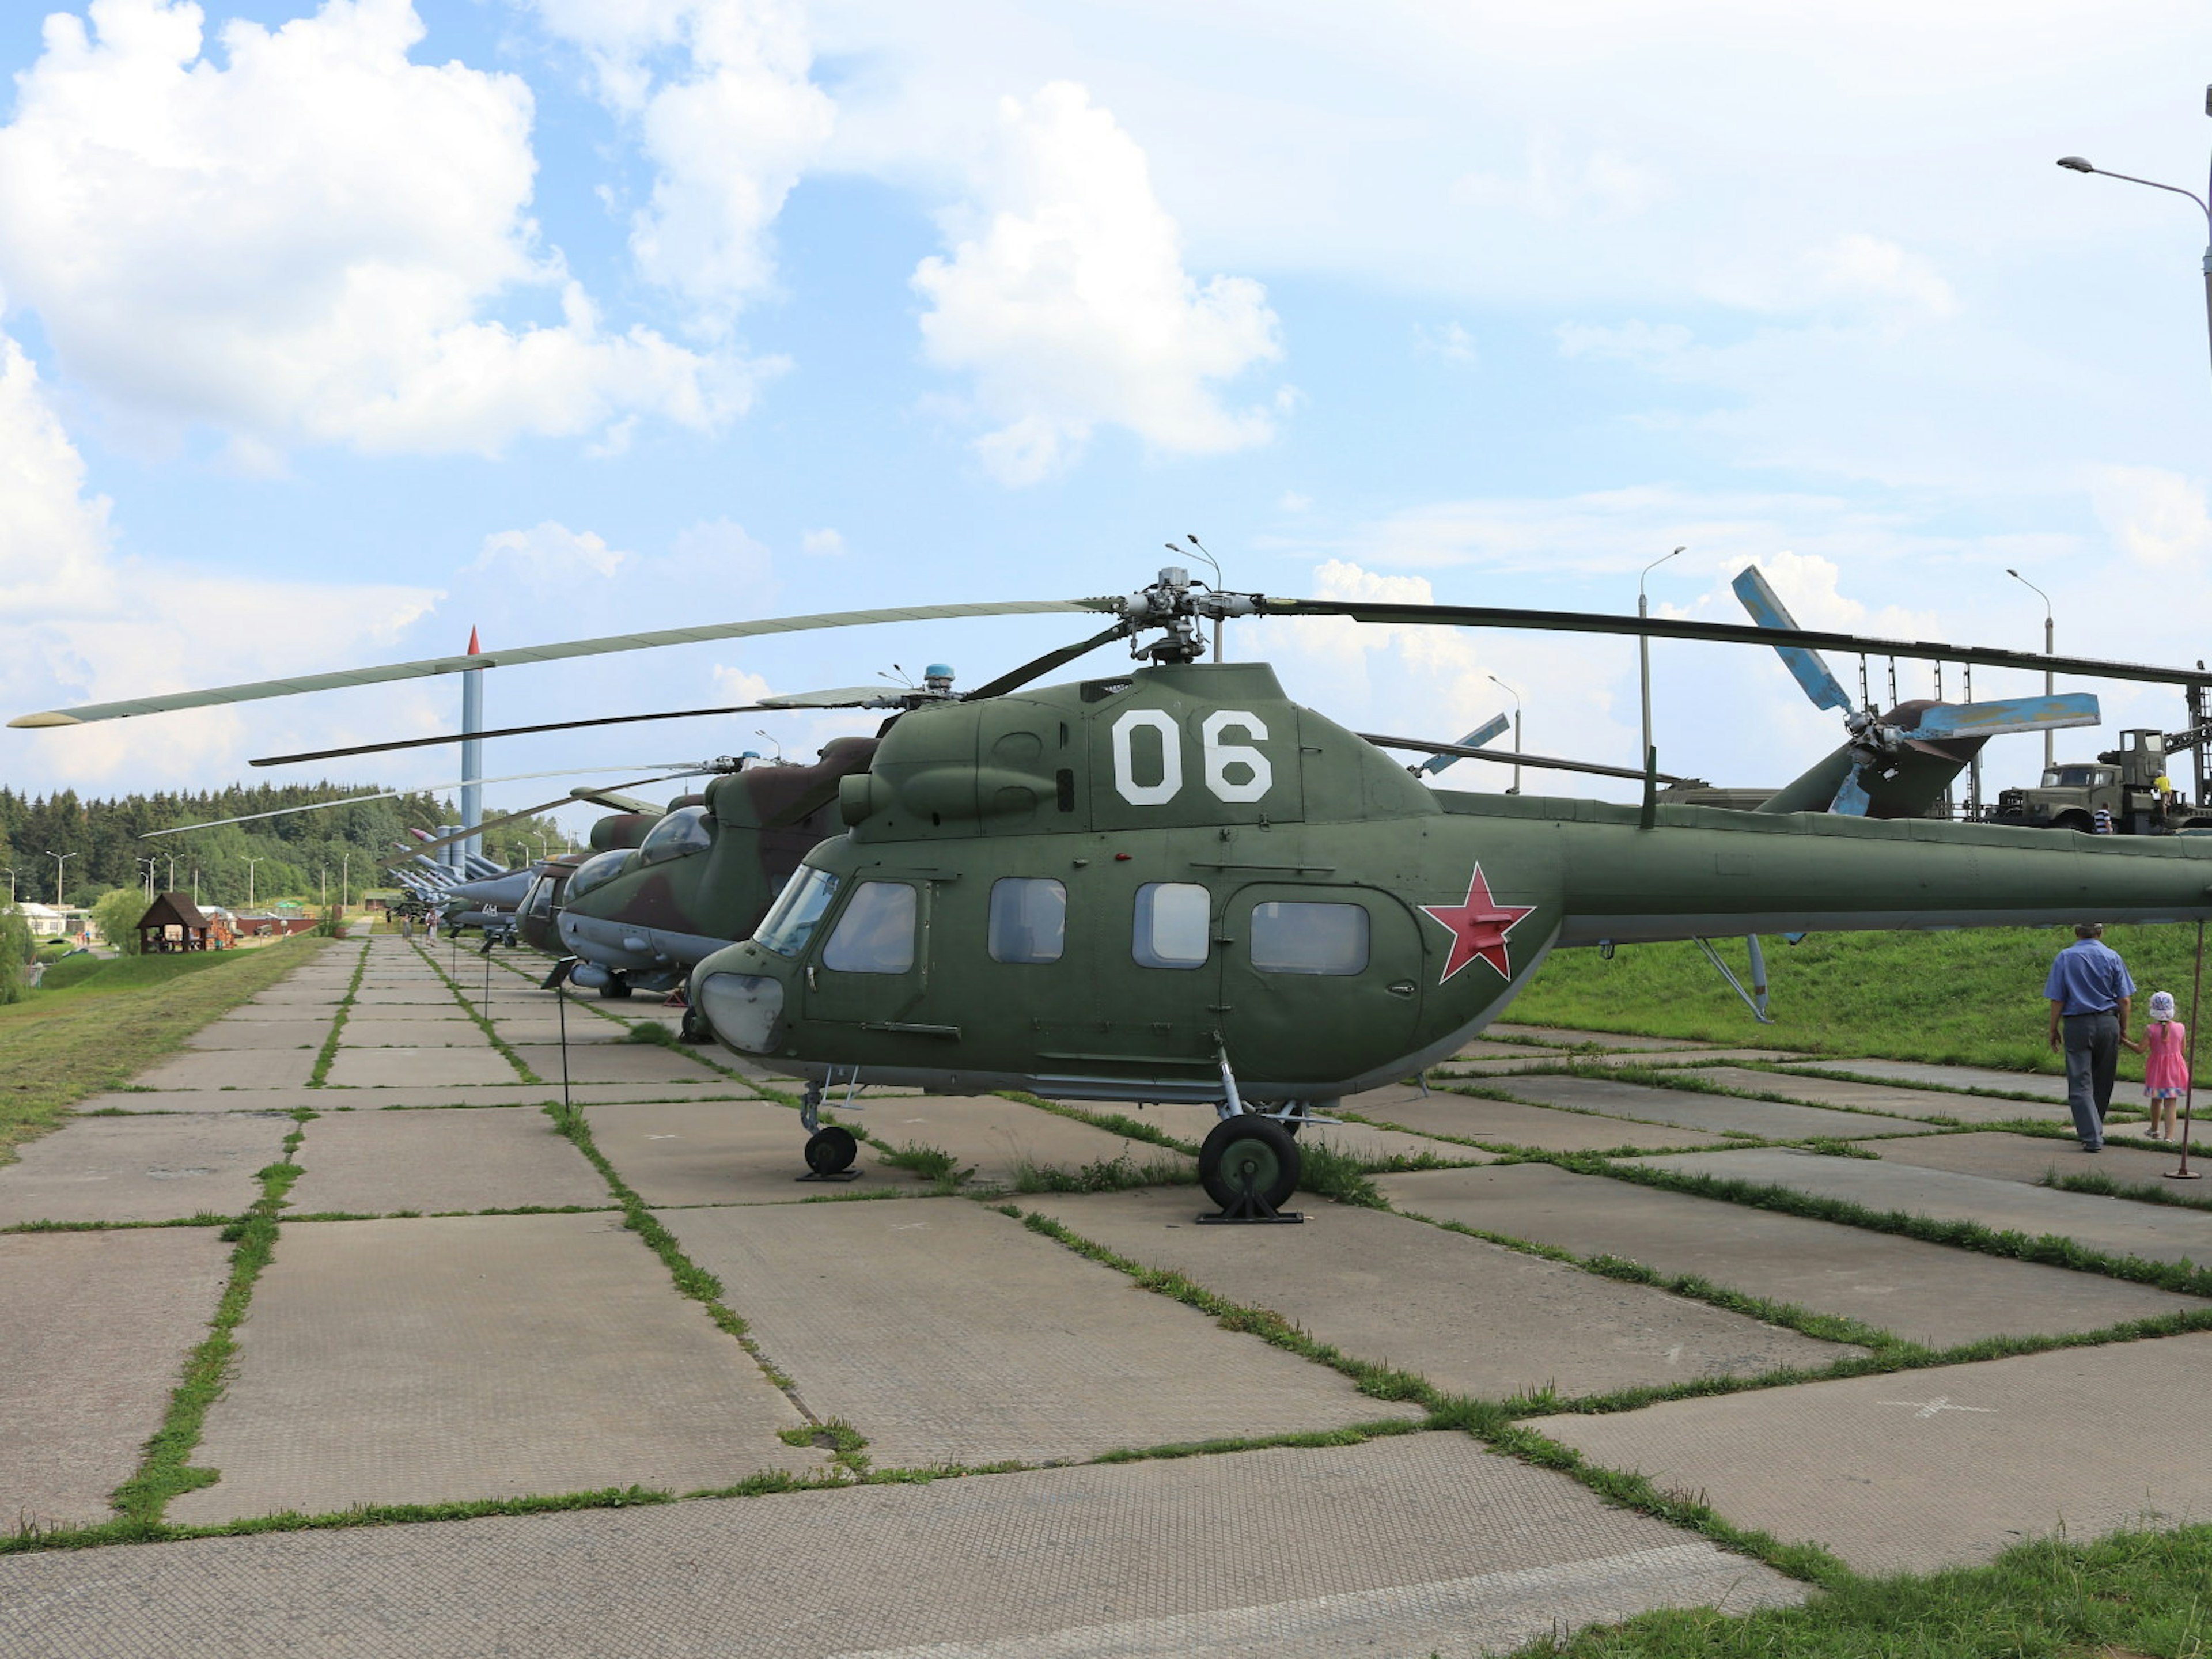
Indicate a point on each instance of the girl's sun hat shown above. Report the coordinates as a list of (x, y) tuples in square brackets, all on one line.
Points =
[(2162, 1004)]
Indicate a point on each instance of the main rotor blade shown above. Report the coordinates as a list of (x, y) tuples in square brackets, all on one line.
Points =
[(1540, 762), (1493, 728), (1768, 611), (428, 666), (1990, 720), (508, 732), (1014, 678), (839, 696), (381, 794), (1669, 627)]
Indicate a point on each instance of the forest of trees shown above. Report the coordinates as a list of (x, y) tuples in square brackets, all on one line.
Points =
[(293, 854)]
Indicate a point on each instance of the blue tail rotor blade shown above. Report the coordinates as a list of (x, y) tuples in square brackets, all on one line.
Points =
[(1850, 798), (1481, 734), (1990, 719), (1768, 611)]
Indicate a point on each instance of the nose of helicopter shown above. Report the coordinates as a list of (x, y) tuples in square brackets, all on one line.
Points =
[(742, 1005)]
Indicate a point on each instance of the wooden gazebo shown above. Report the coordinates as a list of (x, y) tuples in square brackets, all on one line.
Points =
[(173, 923)]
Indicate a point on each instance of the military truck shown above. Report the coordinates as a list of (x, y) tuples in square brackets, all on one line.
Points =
[(2123, 785)]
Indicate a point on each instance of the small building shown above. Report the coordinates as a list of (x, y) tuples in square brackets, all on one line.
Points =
[(171, 922), (48, 921)]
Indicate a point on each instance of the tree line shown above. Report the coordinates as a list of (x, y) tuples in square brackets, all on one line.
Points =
[(305, 855)]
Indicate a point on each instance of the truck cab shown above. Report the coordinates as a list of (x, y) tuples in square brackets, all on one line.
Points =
[(2123, 784)]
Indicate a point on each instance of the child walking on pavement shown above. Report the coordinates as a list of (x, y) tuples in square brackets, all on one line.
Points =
[(2165, 1050)]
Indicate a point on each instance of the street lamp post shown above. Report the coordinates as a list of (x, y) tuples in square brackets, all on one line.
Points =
[(250, 863), (11, 888), (2077, 164), (1516, 696), (345, 882), (60, 859), (2049, 681), (1643, 659)]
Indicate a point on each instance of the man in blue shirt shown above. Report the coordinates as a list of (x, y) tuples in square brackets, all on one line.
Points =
[(2091, 996)]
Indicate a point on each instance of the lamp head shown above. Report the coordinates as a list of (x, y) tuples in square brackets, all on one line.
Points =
[(2079, 164)]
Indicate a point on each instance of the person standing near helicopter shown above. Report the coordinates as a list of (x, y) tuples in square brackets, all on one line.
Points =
[(2091, 995)]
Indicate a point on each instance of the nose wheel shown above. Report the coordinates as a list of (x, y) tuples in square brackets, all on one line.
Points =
[(1250, 1166), (830, 1151)]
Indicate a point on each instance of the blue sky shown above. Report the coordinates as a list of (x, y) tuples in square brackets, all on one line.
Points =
[(333, 331)]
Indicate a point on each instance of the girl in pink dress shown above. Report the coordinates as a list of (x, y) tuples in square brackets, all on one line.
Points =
[(2165, 1064)]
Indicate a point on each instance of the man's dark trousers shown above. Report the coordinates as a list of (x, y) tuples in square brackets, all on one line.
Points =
[(2092, 1060)]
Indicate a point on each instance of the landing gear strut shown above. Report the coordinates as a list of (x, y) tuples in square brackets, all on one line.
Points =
[(615, 989)]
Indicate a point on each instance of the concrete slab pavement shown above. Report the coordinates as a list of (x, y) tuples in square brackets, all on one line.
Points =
[(1928, 1469), (1718, 1114), (2031, 1158), (97, 1327), (374, 1068), (1926, 1293), (2116, 1226), (218, 1069), (1670, 1057), (143, 1169), (1401, 1292), (1560, 1036), (398, 1098), (375, 1163), (946, 1332), (996, 1136), (1420, 1545), (719, 1152), (626, 1062), (434, 1360), (1508, 1123), (1924, 1104), (233, 1035), (463, 1033), (2034, 1084)]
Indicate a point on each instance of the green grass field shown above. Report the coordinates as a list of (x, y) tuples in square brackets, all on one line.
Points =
[(1970, 998), (98, 1022)]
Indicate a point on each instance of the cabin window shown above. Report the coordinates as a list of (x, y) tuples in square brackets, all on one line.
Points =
[(1029, 919), (1172, 925), (539, 902), (685, 831), (1308, 939), (790, 922), (875, 934), (597, 872)]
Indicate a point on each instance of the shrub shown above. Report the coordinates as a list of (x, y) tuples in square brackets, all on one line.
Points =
[(16, 953), (115, 918)]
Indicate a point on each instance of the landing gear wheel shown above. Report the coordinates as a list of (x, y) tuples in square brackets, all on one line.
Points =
[(832, 1151), (1249, 1152), (693, 1029), (615, 989)]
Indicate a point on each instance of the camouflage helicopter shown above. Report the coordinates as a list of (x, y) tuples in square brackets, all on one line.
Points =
[(1174, 883)]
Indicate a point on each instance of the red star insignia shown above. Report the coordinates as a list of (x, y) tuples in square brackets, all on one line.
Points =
[(1478, 928)]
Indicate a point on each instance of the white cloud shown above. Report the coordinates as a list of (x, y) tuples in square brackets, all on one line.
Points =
[(1066, 300), (821, 543), (547, 559), (2159, 517), (79, 624), (728, 131), (54, 542), (335, 284), (1451, 342)]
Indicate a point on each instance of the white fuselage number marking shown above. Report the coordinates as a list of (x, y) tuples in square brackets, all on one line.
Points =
[(1216, 757)]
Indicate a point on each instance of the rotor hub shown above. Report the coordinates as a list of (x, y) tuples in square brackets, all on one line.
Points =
[(1177, 607)]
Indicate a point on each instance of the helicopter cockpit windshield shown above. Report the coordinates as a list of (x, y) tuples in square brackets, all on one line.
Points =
[(786, 927), (681, 831), (597, 872)]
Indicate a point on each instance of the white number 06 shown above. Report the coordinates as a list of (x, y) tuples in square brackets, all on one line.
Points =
[(1218, 758)]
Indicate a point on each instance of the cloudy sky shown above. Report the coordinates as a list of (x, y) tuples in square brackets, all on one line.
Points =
[(329, 332)]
